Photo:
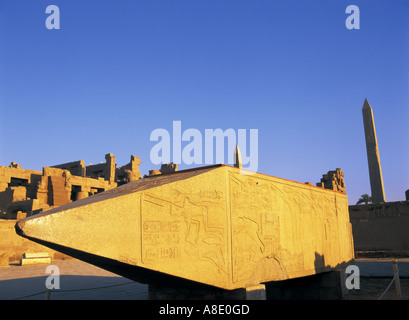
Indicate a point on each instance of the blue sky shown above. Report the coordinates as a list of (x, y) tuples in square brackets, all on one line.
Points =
[(117, 70)]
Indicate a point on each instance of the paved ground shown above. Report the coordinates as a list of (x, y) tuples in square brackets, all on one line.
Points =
[(375, 277), (382, 267), (82, 281), (21, 281)]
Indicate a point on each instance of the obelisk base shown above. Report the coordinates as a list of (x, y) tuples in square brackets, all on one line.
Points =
[(164, 292)]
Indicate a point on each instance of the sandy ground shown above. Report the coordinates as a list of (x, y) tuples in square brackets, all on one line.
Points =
[(82, 281)]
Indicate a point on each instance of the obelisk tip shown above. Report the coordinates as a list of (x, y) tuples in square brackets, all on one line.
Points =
[(237, 158), (19, 226), (366, 105)]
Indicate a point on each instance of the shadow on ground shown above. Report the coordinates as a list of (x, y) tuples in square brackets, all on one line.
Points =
[(74, 287)]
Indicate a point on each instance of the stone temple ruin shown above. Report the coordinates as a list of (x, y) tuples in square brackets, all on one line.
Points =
[(209, 232), (26, 192), (333, 180), (214, 231)]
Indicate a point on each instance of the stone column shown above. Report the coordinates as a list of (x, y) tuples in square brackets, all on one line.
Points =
[(135, 162), (81, 195), (109, 171), (374, 162)]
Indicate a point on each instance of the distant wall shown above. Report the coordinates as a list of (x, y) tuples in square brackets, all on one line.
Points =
[(381, 229), (15, 246)]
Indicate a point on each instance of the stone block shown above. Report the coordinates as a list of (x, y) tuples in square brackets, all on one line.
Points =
[(31, 255), (168, 167), (30, 261), (35, 258), (154, 172), (256, 292), (21, 215)]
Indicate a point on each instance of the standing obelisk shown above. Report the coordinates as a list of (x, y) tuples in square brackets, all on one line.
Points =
[(374, 162), (237, 158)]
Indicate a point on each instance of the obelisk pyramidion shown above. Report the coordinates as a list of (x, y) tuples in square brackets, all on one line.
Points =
[(374, 162)]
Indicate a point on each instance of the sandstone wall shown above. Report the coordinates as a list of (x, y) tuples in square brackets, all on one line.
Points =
[(15, 246), (381, 228)]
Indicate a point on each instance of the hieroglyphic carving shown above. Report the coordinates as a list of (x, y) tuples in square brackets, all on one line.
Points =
[(278, 219), (182, 225), (344, 224), (255, 227), (156, 231), (161, 239)]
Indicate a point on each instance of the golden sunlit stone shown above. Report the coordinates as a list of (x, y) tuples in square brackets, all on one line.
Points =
[(217, 225)]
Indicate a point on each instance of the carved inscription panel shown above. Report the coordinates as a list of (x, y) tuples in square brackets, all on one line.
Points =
[(231, 230), (255, 223), (286, 227), (184, 231)]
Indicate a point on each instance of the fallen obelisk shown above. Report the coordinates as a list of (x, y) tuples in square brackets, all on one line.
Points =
[(212, 225)]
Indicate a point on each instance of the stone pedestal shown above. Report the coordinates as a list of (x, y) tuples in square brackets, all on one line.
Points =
[(163, 292), (322, 286)]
